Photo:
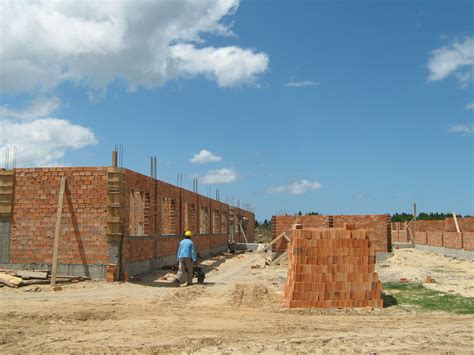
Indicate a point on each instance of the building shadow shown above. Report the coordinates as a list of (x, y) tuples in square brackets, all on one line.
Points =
[(164, 276), (77, 233)]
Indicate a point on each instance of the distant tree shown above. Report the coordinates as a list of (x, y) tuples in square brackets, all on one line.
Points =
[(402, 217), (299, 213), (312, 214)]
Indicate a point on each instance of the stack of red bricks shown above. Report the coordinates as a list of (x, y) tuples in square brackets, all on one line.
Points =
[(331, 268)]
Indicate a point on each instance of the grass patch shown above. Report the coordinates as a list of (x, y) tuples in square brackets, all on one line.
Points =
[(446, 271), (416, 295), (440, 270)]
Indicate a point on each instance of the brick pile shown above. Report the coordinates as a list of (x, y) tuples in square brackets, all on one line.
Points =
[(331, 268)]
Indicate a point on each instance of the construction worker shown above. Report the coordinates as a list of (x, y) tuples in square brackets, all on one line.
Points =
[(186, 259)]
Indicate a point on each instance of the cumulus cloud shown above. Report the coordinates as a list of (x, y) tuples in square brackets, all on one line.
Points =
[(457, 59), (40, 140), (470, 106), (221, 176), (462, 128), (229, 66), (204, 156), (142, 43), (38, 108), (296, 188), (299, 84)]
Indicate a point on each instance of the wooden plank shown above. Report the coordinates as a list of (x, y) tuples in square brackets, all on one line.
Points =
[(410, 235), (10, 280), (282, 235), (243, 233), (26, 274), (73, 277), (57, 231), (280, 258), (35, 282), (456, 223)]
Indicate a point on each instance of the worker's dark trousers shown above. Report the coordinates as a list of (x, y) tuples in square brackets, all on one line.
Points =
[(185, 265)]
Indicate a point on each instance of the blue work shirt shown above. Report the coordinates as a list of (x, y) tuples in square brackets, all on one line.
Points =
[(186, 249)]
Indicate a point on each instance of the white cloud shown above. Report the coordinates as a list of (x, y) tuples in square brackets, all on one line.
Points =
[(299, 84), (143, 43), (40, 140), (463, 128), (39, 108), (457, 59), (470, 106), (229, 66), (204, 156), (296, 188), (221, 176)]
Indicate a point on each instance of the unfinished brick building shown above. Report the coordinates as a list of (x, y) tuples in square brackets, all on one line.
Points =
[(437, 233), (110, 216), (377, 226)]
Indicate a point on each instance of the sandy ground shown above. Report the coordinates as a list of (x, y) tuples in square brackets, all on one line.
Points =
[(450, 274), (236, 310)]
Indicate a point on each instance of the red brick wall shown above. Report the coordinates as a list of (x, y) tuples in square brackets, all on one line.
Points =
[(434, 239), (250, 233), (452, 240), (167, 246), (84, 221), (377, 226), (420, 238), (428, 225), (138, 249), (35, 201), (468, 240), (442, 233), (190, 220), (465, 224)]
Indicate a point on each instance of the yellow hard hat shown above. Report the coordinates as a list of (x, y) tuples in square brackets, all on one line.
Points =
[(188, 234)]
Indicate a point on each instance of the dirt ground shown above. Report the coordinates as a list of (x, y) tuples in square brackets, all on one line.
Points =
[(236, 310)]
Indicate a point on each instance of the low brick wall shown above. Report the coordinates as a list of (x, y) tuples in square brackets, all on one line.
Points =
[(377, 226), (468, 241), (420, 238), (434, 239), (438, 233), (450, 240)]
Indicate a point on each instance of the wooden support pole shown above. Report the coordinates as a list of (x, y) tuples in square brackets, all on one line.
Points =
[(57, 231), (243, 233), (282, 235), (280, 258), (414, 218), (456, 223)]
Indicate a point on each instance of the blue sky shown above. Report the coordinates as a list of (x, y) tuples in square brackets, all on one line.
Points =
[(334, 107)]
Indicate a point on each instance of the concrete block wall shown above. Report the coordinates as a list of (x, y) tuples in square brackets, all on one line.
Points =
[(377, 227)]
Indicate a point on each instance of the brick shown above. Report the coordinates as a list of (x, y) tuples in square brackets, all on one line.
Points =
[(330, 268)]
